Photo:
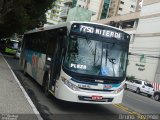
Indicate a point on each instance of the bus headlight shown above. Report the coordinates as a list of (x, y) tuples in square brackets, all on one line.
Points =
[(69, 84), (119, 90)]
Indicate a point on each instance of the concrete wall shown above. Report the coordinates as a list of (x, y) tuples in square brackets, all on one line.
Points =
[(146, 47)]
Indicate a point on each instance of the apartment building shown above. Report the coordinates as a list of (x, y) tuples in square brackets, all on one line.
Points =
[(98, 7), (121, 7), (144, 61), (53, 15)]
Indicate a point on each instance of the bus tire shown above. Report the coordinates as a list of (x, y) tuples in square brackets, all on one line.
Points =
[(45, 86), (157, 97)]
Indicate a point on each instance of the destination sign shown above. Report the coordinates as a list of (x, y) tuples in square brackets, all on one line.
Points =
[(103, 32)]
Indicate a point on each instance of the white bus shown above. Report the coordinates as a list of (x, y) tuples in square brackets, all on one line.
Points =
[(81, 62)]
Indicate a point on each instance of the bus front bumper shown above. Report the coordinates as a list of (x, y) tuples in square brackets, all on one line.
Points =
[(65, 93)]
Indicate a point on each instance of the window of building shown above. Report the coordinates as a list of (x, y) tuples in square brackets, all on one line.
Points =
[(122, 2), (105, 9), (132, 6), (120, 9), (79, 5), (74, 2)]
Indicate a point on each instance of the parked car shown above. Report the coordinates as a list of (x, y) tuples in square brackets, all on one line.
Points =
[(140, 86), (156, 95)]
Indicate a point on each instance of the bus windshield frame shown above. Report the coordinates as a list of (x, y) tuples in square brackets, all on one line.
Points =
[(96, 56)]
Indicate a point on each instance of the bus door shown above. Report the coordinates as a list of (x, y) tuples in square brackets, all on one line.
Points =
[(55, 56)]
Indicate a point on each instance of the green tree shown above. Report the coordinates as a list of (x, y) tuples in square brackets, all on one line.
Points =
[(17, 16)]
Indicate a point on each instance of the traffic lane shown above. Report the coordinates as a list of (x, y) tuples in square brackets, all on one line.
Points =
[(12, 61), (49, 107), (140, 103)]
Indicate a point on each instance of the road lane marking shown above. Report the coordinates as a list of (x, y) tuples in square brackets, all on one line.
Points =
[(129, 111)]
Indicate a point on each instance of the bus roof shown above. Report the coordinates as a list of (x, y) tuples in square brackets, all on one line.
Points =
[(67, 24)]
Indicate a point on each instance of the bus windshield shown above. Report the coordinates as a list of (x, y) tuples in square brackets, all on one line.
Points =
[(94, 57)]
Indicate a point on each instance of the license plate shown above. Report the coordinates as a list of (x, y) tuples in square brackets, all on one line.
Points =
[(97, 97)]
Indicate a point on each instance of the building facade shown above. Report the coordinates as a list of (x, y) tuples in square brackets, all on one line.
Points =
[(144, 61), (59, 12), (121, 7), (53, 15), (98, 7)]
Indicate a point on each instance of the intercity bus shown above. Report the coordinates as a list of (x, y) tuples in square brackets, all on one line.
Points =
[(81, 62)]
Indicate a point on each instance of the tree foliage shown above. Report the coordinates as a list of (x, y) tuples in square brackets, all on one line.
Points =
[(21, 15)]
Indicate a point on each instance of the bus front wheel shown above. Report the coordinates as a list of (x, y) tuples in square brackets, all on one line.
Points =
[(46, 85)]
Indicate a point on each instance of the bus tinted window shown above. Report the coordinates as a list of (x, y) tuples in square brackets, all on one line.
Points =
[(36, 42)]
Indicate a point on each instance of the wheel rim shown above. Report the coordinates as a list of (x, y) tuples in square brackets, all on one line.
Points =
[(156, 97)]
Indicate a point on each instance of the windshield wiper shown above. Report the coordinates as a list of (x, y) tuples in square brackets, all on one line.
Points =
[(113, 61), (95, 50)]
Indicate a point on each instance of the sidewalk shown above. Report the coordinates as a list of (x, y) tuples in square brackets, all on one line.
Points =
[(14, 101)]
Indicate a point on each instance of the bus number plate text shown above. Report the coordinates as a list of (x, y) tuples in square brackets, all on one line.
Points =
[(97, 97)]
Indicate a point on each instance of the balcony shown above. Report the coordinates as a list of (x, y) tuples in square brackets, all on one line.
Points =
[(64, 12), (67, 2)]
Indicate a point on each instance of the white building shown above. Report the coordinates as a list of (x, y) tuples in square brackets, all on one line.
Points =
[(92, 5), (127, 6), (121, 7), (99, 8), (144, 61), (53, 15)]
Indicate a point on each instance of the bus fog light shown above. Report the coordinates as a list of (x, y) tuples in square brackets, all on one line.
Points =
[(69, 84)]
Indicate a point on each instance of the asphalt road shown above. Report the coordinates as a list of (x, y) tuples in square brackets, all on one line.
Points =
[(51, 108), (141, 103)]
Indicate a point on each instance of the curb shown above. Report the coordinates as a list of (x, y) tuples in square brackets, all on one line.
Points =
[(25, 93)]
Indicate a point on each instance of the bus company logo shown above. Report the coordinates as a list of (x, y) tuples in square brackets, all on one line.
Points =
[(107, 86), (34, 60), (34, 65)]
